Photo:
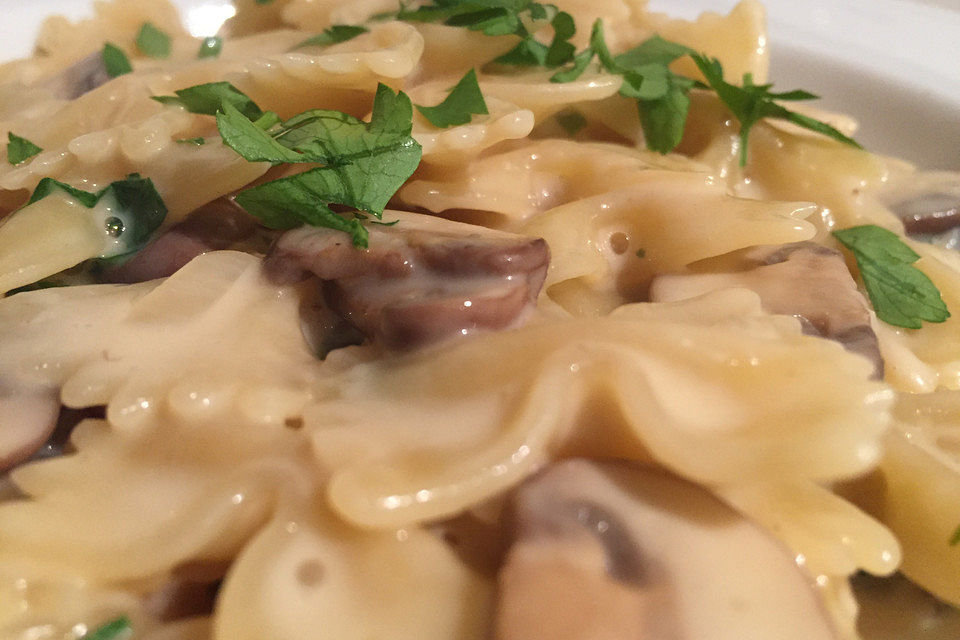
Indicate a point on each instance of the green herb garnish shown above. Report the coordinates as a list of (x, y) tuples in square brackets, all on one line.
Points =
[(153, 42), (901, 294), (663, 97), (365, 163), (138, 210), (955, 538), (531, 52), (115, 61), (210, 98), (464, 101), (195, 141), (751, 102), (571, 121), (20, 149), (210, 47), (334, 35), (113, 630), (492, 17)]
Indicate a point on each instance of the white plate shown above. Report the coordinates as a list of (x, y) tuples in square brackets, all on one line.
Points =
[(892, 63)]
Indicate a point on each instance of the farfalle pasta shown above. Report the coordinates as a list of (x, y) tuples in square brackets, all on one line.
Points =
[(458, 320)]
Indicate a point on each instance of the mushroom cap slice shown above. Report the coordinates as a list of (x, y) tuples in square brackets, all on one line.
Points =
[(28, 416), (803, 279), (421, 281), (613, 552)]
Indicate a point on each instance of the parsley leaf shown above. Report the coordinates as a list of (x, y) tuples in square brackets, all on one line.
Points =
[(210, 47), (365, 163), (335, 34), (492, 17), (752, 102), (137, 209), (663, 97), (253, 142), (209, 99), (153, 42), (195, 141), (561, 50), (532, 53), (901, 294), (113, 630), (20, 149), (464, 101), (115, 61), (571, 121)]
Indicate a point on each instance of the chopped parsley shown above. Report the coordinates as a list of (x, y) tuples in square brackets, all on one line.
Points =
[(209, 99), (571, 121), (663, 97), (464, 101), (195, 141), (115, 61), (901, 294), (153, 42), (138, 210), (492, 17), (364, 163), (532, 52), (955, 538), (20, 149), (751, 102), (114, 630), (335, 34), (210, 47)]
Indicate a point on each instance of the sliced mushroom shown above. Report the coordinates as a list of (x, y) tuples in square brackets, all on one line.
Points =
[(80, 78), (802, 279), (423, 280), (929, 213), (28, 416), (612, 552), (214, 226)]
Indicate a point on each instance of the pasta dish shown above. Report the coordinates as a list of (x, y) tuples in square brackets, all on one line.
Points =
[(465, 319)]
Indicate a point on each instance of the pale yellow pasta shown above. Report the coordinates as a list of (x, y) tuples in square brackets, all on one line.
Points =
[(648, 216), (397, 467), (300, 579), (359, 490), (103, 360)]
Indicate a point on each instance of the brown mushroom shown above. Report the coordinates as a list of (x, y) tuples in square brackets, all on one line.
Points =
[(421, 281), (28, 417), (214, 226), (929, 213), (803, 279), (80, 78), (613, 552)]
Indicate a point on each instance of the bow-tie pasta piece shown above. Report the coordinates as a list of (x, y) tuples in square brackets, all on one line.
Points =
[(738, 39), (608, 247), (460, 144), (188, 494), (770, 403), (916, 488), (520, 183), (312, 578), (317, 15), (237, 336)]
